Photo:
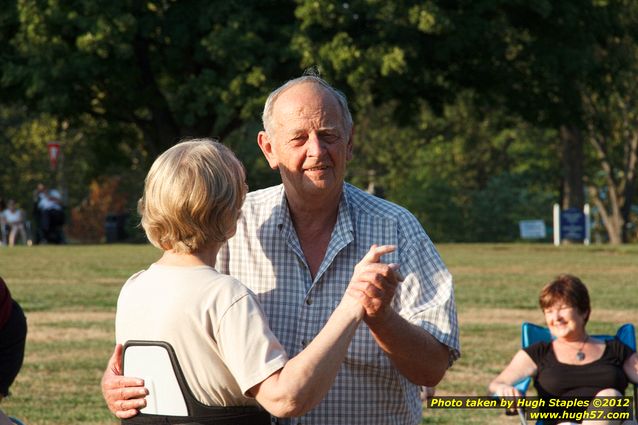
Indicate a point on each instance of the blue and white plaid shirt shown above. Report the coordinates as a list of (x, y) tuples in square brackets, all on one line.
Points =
[(265, 254)]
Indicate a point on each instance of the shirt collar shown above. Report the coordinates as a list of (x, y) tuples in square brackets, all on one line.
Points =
[(343, 225)]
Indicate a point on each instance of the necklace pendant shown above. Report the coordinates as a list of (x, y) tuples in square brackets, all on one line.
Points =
[(580, 356)]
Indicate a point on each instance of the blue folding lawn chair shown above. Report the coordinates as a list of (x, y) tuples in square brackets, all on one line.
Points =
[(531, 333)]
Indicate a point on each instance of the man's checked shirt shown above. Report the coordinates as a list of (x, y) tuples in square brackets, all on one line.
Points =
[(265, 254)]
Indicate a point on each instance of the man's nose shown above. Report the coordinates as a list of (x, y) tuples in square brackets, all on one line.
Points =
[(315, 145)]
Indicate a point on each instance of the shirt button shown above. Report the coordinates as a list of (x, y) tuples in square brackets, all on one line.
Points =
[(309, 301), (304, 342)]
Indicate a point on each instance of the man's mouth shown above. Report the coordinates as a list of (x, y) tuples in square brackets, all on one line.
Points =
[(317, 168)]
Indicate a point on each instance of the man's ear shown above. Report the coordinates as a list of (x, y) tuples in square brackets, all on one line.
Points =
[(265, 144), (349, 146)]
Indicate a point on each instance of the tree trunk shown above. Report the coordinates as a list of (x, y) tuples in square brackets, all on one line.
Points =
[(630, 183), (611, 210), (612, 222), (572, 158), (160, 129)]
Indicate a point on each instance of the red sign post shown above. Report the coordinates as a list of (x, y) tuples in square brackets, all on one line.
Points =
[(54, 154)]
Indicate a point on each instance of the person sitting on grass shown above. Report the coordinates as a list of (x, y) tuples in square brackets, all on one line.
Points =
[(229, 356), (14, 218), (574, 364)]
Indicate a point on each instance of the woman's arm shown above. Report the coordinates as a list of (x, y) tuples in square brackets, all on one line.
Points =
[(631, 368), (521, 366), (305, 379), (4, 420)]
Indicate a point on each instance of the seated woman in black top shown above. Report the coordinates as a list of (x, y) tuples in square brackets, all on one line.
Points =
[(574, 363)]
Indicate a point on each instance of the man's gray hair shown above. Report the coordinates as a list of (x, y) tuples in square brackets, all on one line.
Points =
[(266, 117)]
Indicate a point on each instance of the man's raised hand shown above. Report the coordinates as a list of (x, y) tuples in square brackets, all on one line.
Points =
[(374, 283)]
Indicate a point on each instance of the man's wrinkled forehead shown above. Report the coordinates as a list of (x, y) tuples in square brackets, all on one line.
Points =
[(305, 103)]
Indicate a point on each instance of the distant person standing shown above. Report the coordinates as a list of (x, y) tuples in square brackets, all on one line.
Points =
[(3, 225), (38, 193), (50, 215), (14, 218)]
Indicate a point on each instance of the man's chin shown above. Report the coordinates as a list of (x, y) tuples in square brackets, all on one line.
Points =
[(315, 187), (321, 185), (319, 188)]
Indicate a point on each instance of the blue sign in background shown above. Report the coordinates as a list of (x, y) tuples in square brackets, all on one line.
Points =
[(572, 224)]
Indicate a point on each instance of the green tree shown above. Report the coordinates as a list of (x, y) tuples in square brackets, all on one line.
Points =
[(469, 174), (612, 131), (24, 156), (170, 69), (118, 82), (470, 83), (533, 58)]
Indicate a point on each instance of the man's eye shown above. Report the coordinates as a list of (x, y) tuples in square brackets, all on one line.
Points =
[(330, 138)]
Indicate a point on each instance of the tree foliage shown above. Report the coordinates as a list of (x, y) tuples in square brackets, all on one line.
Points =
[(459, 105), (536, 60), (118, 82), (171, 69), (612, 130), (469, 174)]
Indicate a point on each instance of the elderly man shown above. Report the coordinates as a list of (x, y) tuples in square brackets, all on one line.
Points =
[(296, 247)]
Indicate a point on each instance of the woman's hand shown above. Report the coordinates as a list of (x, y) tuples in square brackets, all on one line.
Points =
[(520, 367), (505, 390)]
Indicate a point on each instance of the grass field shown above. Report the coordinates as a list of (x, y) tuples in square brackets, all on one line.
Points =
[(69, 295)]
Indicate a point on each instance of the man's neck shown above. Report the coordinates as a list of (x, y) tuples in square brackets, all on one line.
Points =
[(318, 213), (314, 222)]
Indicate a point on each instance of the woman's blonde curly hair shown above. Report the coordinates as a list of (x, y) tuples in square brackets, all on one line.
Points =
[(192, 198)]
